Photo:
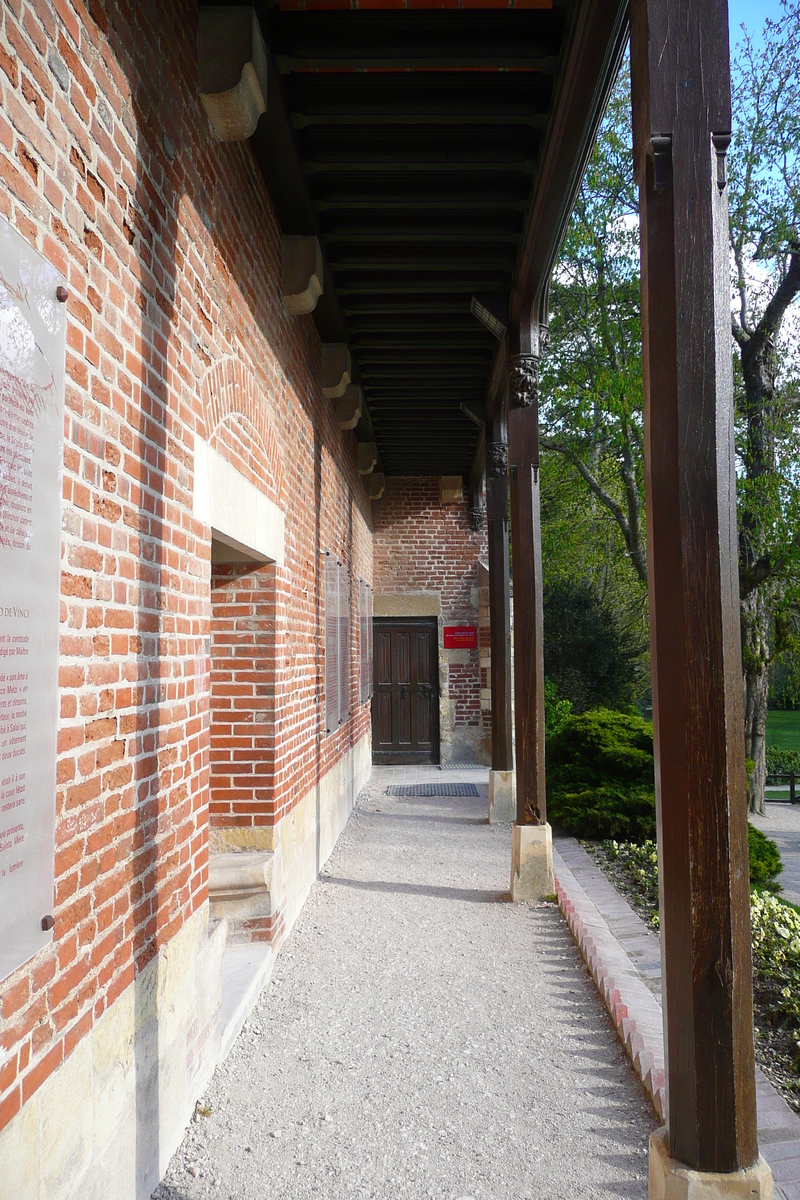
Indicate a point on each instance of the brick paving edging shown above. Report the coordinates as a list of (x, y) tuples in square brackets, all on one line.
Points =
[(624, 959), (633, 1008)]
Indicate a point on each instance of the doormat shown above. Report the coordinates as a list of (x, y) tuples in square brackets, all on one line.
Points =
[(433, 789), (463, 767)]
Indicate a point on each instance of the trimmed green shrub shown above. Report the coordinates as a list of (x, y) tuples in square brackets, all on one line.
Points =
[(765, 860), (556, 711), (600, 781), (781, 762)]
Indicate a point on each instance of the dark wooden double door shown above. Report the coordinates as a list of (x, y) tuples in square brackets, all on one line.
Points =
[(405, 702)]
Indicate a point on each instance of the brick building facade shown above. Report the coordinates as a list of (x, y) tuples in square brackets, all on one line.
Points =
[(426, 564), (192, 685)]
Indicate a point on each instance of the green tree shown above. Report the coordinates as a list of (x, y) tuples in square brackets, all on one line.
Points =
[(592, 417), (764, 199), (592, 373), (589, 655)]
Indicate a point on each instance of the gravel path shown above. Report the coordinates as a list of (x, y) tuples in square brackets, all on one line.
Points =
[(421, 1037), (782, 824)]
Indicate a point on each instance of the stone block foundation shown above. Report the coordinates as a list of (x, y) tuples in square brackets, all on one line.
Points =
[(671, 1180), (532, 862)]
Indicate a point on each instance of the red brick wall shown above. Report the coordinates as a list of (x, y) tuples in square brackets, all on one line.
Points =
[(175, 328), (242, 734), (422, 545)]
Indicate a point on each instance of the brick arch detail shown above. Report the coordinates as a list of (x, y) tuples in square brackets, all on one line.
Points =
[(230, 390)]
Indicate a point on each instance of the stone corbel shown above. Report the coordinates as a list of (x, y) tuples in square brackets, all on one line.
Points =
[(376, 485), (302, 273), (232, 62), (349, 407), (336, 369), (367, 457)]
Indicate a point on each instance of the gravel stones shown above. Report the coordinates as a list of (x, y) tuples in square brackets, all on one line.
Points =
[(421, 1037)]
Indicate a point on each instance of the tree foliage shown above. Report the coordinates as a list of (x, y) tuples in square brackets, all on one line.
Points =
[(592, 373), (764, 199), (590, 658), (591, 376)]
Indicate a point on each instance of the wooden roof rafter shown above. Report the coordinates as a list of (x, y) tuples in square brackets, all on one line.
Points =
[(425, 148)]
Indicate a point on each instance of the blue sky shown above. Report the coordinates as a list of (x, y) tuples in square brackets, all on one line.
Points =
[(752, 13)]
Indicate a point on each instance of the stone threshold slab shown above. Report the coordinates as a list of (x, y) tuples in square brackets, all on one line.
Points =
[(624, 959), (246, 968)]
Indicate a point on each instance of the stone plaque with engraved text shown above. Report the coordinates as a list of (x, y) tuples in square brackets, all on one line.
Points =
[(32, 362)]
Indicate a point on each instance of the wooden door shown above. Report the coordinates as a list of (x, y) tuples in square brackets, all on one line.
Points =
[(405, 703)]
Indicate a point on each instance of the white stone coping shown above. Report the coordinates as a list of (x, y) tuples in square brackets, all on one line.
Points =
[(239, 514), (236, 874)]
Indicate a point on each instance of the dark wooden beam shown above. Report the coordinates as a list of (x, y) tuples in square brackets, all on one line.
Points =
[(464, 116), (414, 235), (465, 200), (486, 40), (375, 311), (598, 36), (438, 285), (526, 540), (682, 125), (457, 260), (410, 97), (411, 163), (499, 594), (431, 323)]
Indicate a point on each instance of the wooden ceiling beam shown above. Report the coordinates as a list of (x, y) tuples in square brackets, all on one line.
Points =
[(446, 308), (477, 259), (472, 282), (468, 117), (474, 161), (481, 39), (411, 235), (462, 201)]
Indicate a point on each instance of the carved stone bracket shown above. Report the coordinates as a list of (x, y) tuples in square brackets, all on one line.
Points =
[(523, 380), (476, 518), (496, 459), (232, 61)]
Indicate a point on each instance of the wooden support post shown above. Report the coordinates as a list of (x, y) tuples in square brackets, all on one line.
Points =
[(526, 541), (682, 124), (499, 595), (531, 842)]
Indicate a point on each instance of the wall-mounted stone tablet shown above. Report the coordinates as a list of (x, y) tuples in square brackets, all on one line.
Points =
[(350, 406), (367, 457), (451, 489), (336, 369), (232, 63), (301, 261), (376, 484)]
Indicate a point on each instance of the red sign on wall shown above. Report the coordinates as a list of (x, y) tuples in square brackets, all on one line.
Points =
[(461, 637)]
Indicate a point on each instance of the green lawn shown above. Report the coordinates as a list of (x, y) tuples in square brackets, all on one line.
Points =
[(783, 729)]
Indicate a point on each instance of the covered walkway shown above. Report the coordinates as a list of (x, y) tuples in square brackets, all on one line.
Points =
[(421, 1036)]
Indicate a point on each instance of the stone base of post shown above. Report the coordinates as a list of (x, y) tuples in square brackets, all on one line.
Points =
[(671, 1180), (502, 797), (532, 862)]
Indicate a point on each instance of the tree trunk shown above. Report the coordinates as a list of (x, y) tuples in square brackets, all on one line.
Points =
[(755, 654)]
